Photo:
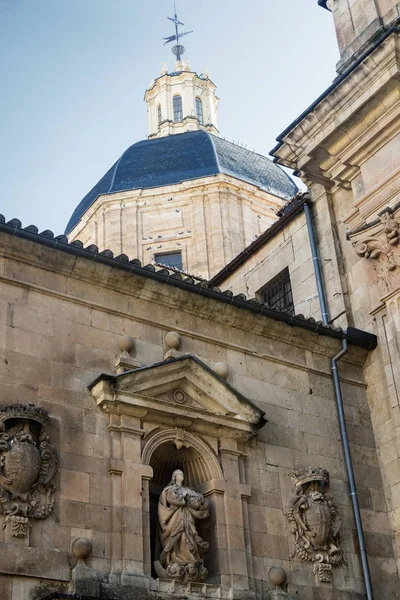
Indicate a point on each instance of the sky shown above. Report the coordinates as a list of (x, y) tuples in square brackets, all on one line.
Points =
[(73, 75)]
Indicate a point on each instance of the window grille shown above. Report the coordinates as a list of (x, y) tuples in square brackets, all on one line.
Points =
[(199, 111), (170, 259), (159, 115), (178, 114), (278, 293)]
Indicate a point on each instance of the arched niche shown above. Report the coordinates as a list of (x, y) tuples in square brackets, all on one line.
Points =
[(173, 449), (146, 445)]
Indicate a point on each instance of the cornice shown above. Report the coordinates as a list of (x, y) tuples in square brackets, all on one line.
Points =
[(214, 183), (47, 252), (305, 146), (382, 195)]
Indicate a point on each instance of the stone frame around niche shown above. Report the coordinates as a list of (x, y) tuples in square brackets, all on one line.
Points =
[(182, 402)]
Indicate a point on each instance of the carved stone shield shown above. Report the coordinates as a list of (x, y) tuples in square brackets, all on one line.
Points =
[(28, 464), (318, 520), (22, 464)]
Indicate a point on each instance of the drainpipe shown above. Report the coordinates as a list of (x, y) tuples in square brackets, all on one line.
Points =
[(317, 264), (339, 403)]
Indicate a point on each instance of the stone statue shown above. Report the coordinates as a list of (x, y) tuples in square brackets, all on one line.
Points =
[(182, 547), (28, 464), (314, 521)]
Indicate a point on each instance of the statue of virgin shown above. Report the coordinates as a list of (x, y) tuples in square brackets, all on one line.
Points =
[(182, 547)]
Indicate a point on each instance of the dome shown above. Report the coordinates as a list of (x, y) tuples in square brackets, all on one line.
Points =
[(182, 157)]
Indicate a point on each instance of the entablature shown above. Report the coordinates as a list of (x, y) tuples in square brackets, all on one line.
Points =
[(329, 142)]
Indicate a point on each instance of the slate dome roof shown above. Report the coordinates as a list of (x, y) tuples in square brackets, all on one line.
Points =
[(181, 157)]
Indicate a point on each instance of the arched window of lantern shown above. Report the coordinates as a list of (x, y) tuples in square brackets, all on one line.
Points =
[(178, 114), (199, 110), (159, 114)]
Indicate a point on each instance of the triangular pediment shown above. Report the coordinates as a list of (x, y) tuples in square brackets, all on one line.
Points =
[(179, 391)]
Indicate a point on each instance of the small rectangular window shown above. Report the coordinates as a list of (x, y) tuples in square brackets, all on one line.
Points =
[(278, 293), (169, 259)]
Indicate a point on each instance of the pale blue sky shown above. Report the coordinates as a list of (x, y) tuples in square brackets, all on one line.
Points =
[(74, 72)]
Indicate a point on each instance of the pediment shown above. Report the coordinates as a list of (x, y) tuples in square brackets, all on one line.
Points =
[(181, 391)]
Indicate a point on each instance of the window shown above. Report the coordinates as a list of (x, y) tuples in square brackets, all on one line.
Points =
[(199, 110), (178, 114), (170, 259), (278, 293), (159, 115)]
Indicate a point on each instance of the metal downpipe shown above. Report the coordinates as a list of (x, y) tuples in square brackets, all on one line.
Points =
[(350, 470), (339, 404), (317, 264)]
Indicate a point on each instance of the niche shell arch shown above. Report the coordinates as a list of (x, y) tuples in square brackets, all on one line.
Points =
[(207, 465)]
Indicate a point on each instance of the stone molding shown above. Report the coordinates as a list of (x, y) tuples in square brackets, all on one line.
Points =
[(92, 272), (141, 393), (298, 147)]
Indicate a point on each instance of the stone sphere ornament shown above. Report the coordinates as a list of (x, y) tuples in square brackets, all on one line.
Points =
[(277, 576), (221, 369), (82, 548), (126, 343), (173, 339)]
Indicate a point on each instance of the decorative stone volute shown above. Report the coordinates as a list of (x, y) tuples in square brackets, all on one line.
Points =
[(378, 242), (28, 464)]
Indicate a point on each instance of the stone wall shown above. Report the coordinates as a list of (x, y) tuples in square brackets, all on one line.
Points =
[(357, 23), (209, 221), (351, 163), (61, 321)]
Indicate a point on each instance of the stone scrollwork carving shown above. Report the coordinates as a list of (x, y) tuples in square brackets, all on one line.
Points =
[(182, 548), (378, 241), (28, 463), (314, 521)]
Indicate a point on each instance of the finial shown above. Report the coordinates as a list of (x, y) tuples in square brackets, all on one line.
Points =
[(178, 49)]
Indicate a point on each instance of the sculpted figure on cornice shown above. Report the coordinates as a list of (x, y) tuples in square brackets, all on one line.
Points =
[(182, 547), (28, 464), (378, 242), (314, 521)]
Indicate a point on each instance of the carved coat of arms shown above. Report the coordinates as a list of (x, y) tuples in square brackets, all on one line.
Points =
[(314, 521), (28, 463)]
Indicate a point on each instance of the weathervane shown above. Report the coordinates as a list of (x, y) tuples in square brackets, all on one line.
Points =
[(178, 50)]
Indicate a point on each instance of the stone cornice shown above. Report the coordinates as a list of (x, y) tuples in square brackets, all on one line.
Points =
[(74, 263), (314, 143), (383, 194), (181, 193)]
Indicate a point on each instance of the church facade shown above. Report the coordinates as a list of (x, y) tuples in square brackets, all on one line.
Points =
[(200, 377)]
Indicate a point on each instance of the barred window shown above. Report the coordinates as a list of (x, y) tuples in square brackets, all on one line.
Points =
[(178, 113), (278, 293), (169, 259), (199, 110), (159, 115)]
